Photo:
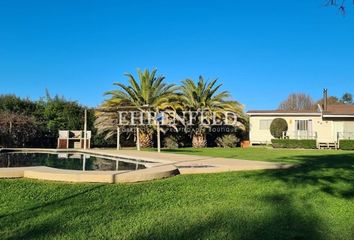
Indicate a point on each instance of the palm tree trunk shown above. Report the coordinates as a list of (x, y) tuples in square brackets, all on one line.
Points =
[(199, 140), (145, 139)]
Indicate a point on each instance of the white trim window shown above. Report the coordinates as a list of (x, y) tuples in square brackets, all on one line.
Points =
[(301, 125), (264, 124), (303, 129)]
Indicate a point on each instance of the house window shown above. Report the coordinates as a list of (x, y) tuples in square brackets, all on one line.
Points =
[(303, 129), (302, 125), (265, 124)]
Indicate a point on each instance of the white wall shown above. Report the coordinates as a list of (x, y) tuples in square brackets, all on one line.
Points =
[(257, 135), (326, 129), (323, 128)]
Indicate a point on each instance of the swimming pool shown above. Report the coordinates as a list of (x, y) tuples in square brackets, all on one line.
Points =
[(69, 161)]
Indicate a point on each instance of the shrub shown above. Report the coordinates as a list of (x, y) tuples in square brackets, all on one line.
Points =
[(170, 142), (346, 144), (227, 141), (294, 143), (278, 126), (99, 140)]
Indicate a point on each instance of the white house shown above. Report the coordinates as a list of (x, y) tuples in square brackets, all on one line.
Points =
[(327, 125)]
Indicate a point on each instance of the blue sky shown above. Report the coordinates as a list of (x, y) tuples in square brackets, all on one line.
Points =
[(260, 50)]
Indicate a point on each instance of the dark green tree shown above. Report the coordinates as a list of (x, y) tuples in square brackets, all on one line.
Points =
[(26, 123), (278, 126), (347, 98)]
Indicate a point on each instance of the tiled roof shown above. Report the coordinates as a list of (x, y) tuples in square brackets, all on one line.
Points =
[(335, 109), (340, 109)]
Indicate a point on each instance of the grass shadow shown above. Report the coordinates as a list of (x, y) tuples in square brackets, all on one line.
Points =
[(282, 221), (55, 202), (332, 174)]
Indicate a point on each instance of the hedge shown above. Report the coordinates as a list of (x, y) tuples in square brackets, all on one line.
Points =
[(294, 143), (346, 144)]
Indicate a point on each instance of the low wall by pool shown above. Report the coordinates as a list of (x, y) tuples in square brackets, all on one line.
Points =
[(53, 174), (153, 170)]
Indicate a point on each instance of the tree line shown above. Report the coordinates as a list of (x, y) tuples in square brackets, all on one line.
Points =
[(27, 123), (302, 101)]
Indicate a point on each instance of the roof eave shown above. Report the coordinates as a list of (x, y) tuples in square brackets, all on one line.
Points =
[(337, 116), (283, 114)]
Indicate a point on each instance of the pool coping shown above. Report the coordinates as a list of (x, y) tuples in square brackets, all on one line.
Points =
[(154, 170), (158, 165)]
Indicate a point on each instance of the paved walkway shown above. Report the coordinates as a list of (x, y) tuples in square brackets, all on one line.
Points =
[(188, 164)]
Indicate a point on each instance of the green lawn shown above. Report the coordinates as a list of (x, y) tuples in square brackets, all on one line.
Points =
[(262, 153), (312, 201)]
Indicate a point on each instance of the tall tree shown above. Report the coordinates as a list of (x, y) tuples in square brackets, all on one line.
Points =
[(297, 101), (149, 90), (331, 100), (61, 114), (347, 98), (205, 96)]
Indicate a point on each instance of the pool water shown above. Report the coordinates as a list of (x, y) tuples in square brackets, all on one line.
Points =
[(67, 161)]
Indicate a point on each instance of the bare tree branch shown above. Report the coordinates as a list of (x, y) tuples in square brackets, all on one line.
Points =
[(341, 5)]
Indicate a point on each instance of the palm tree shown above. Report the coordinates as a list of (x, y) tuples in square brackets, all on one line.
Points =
[(204, 96), (149, 91)]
